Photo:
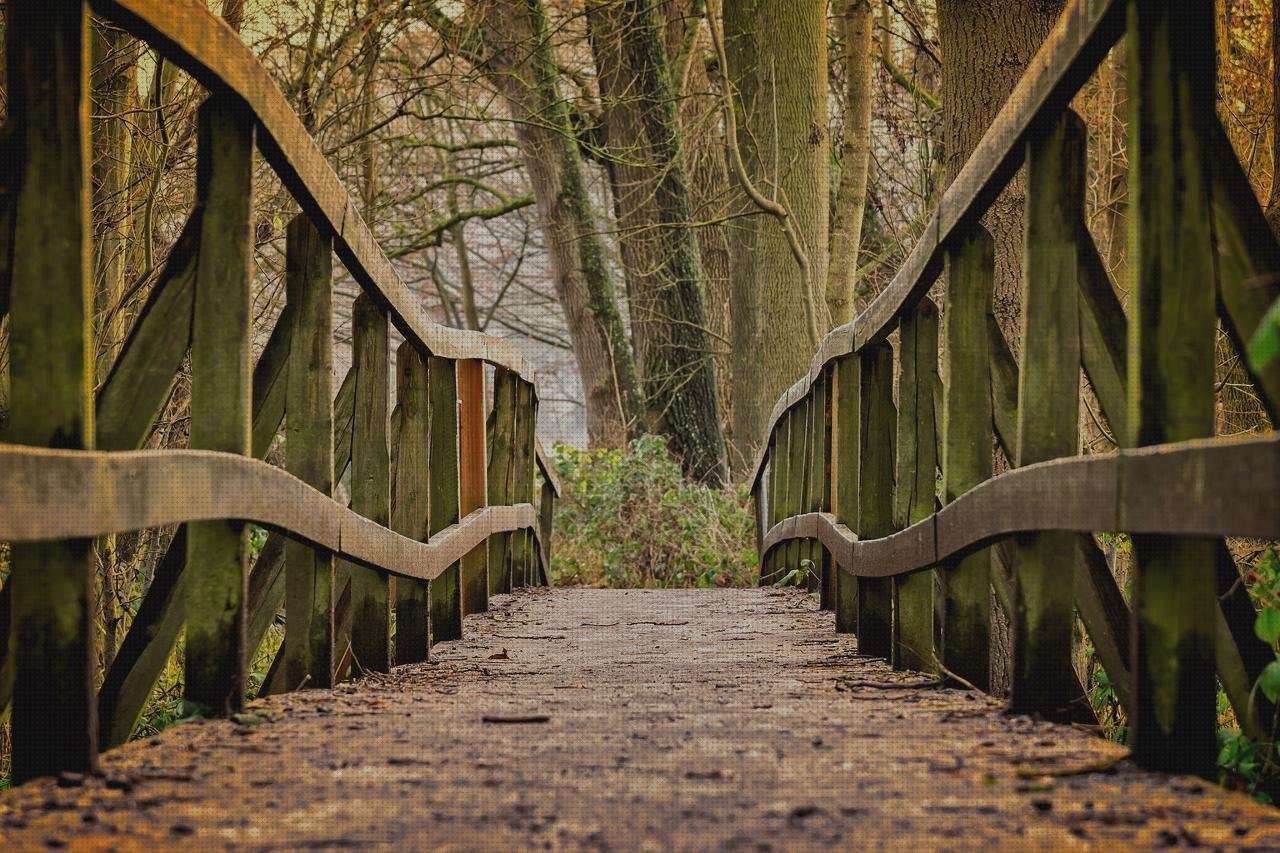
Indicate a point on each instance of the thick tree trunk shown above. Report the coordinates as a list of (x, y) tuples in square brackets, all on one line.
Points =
[(854, 24), (517, 55), (750, 407), (986, 45), (659, 247), (785, 116)]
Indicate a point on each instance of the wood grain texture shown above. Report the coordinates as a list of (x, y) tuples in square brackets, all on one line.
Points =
[(221, 403), (473, 487), (875, 493), (846, 446), (501, 474), (410, 487), (309, 572), (51, 376), (370, 480), (442, 505)]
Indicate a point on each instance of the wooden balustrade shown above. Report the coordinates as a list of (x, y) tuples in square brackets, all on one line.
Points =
[(1203, 254), (433, 503)]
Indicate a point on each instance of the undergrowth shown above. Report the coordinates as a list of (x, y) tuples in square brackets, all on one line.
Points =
[(630, 518)]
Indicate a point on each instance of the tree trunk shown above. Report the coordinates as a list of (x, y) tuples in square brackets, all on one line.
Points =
[(986, 45), (854, 24), (659, 247), (512, 47), (750, 406), (785, 117)]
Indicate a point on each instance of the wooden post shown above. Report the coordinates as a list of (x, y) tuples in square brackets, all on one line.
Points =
[(370, 481), (967, 450), (51, 373), (309, 572), (501, 471), (410, 485), (820, 486), (797, 432), (546, 524), (846, 445), (770, 568), (221, 401), (445, 590), (915, 496), (1044, 681), (875, 494), (473, 489), (522, 479), (1171, 68)]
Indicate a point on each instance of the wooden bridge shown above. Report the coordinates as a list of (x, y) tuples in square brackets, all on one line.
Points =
[(624, 718)]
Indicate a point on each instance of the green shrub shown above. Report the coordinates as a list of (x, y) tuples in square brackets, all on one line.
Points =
[(629, 518)]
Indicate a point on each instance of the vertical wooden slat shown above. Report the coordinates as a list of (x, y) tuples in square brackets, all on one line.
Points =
[(1171, 368), (221, 401), (445, 590), (501, 470), (967, 450), (522, 488), (1044, 681), (51, 376), (410, 486), (846, 443), (370, 481), (472, 486), (915, 496), (875, 494), (309, 572), (546, 525), (820, 485), (769, 568), (797, 432)]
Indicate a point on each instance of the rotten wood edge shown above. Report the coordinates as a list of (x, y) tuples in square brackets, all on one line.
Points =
[(62, 494), (1210, 487), (1083, 34), (204, 46)]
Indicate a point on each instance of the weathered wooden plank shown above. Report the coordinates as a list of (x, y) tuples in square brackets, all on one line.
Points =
[(771, 569), (546, 524), (446, 590), (820, 486), (846, 445), (1248, 269), (309, 654), (501, 470), (139, 381), (797, 448), (472, 488), (1103, 337), (370, 480), (51, 376), (915, 497), (967, 440), (221, 404), (1043, 680), (875, 493), (522, 477), (410, 488), (1171, 68)]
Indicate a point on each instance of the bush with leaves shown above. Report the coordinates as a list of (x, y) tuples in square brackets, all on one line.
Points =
[(629, 518)]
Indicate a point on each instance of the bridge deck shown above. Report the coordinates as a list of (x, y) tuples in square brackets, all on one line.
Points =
[(625, 719)]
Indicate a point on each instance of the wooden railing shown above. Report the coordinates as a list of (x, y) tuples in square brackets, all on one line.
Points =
[(848, 482), (442, 493)]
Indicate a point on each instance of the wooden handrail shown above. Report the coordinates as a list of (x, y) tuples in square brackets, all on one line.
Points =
[(1143, 490), (62, 494)]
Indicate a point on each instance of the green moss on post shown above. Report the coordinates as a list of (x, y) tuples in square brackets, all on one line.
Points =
[(410, 486), (370, 481), (1044, 681), (502, 424), (445, 590), (916, 493), (967, 450), (51, 377), (846, 445), (875, 493), (1171, 69), (309, 654), (221, 398)]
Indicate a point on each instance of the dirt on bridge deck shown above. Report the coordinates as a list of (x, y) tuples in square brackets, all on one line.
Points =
[(631, 719)]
